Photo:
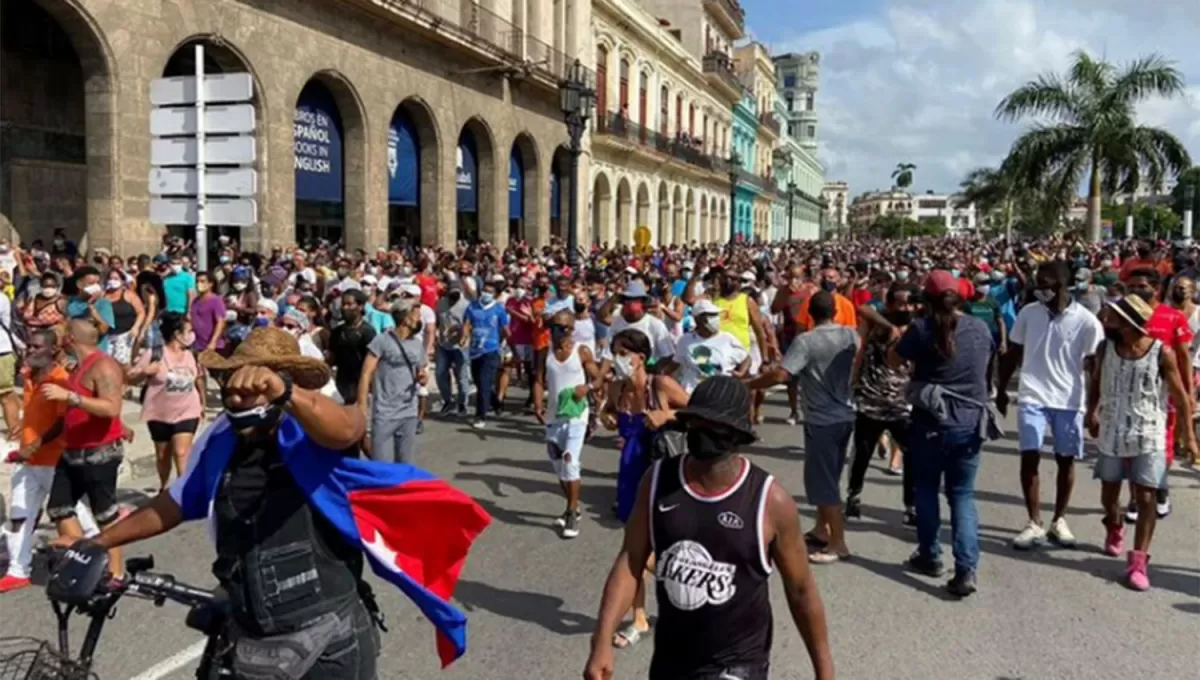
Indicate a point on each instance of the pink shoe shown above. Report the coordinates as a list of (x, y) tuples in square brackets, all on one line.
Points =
[(10, 583), (1114, 540), (1135, 570)]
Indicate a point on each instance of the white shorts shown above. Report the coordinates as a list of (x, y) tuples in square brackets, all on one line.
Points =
[(564, 444), (30, 488)]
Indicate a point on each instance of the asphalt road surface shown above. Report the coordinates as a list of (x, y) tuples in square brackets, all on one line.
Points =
[(532, 598)]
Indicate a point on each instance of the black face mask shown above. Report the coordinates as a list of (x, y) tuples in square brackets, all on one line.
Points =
[(828, 286), (257, 418), (580, 308), (900, 317), (706, 444), (1112, 335), (454, 297), (558, 332)]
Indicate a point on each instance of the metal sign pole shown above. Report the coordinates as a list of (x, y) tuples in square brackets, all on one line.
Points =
[(201, 227)]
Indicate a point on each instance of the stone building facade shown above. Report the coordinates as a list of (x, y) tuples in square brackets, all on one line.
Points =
[(76, 143)]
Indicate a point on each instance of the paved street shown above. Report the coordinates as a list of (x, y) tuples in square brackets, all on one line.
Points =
[(532, 598)]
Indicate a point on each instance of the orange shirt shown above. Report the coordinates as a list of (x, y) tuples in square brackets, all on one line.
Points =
[(844, 312), (40, 415), (541, 332)]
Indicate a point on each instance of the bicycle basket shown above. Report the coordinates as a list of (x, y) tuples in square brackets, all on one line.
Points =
[(30, 659)]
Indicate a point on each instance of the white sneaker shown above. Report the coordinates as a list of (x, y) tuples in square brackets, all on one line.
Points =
[(479, 424), (1061, 534), (1164, 508), (791, 420), (1032, 535)]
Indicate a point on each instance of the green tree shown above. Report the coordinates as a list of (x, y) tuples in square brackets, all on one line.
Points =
[(1094, 130), (902, 176), (899, 226), (1188, 178), (1031, 210), (991, 189)]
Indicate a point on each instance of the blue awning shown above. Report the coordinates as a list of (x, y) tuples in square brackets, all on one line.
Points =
[(404, 161), (516, 187), (317, 145), (465, 180)]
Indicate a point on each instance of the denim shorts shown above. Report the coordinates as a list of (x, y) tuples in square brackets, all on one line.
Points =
[(1147, 470), (1066, 426), (564, 444)]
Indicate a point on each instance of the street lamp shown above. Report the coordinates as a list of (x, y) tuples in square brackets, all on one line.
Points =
[(735, 162), (791, 199), (577, 97)]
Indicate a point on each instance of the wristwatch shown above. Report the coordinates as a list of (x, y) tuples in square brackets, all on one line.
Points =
[(74, 399), (285, 398)]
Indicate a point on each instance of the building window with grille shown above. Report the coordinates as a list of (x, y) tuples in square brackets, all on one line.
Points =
[(624, 87)]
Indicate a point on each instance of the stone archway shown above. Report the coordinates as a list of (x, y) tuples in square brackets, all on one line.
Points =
[(525, 195), (476, 167), (625, 216), (602, 211), (413, 186), (64, 175), (664, 212), (643, 209)]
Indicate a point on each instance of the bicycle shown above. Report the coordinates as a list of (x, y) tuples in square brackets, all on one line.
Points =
[(81, 582)]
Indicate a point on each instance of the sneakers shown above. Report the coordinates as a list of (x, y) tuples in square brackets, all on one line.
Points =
[(1164, 508), (447, 410), (962, 585), (1135, 570), (10, 583), (1131, 512), (1061, 534), (561, 520), (1114, 540), (1031, 536), (910, 517), (853, 508), (924, 565), (479, 424), (571, 526), (793, 418)]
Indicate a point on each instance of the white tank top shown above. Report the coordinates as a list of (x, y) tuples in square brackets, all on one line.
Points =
[(585, 334), (561, 375)]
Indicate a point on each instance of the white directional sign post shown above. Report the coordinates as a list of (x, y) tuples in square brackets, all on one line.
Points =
[(202, 152)]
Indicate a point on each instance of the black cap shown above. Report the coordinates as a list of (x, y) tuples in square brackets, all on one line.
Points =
[(722, 400)]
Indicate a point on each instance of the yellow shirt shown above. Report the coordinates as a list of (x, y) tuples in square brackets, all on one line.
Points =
[(735, 317)]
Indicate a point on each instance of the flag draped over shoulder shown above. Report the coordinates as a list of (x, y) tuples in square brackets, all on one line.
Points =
[(414, 528)]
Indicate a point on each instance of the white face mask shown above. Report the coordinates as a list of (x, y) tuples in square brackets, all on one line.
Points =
[(49, 292), (93, 289), (709, 322), (176, 268), (623, 366), (112, 284), (519, 293), (239, 285)]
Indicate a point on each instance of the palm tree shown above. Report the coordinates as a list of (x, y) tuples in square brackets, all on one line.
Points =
[(990, 189), (1093, 130), (903, 175)]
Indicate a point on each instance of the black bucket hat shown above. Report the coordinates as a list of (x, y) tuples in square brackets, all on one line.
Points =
[(722, 400)]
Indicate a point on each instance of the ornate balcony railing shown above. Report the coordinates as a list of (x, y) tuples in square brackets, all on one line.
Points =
[(721, 65), (770, 122), (616, 125)]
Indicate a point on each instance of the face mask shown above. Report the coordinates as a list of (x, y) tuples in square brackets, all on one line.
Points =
[(558, 333), (580, 308), (261, 321), (1112, 335), (997, 277), (486, 299), (1179, 295), (633, 308), (1082, 286), (1106, 263), (1043, 295), (176, 268), (828, 286), (705, 444), (709, 322), (112, 284), (955, 272), (900, 317), (224, 259), (188, 339), (623, 366), (49, 292), (59, 243), (92, 290), (254, 418), (239, 286), (454, 297), (902, 275)]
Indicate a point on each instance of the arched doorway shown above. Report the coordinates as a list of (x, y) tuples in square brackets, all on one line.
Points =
[(602, 216), (522, 189), (473, 175), (560, 188), (677, 217), (219, 57), (624, 235), (412, 163), (317, 134), (57, 142), (689, 217), (702, 235), (664, 213), (643, 211)]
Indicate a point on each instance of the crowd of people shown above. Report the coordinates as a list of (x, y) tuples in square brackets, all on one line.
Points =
[(904, 348)]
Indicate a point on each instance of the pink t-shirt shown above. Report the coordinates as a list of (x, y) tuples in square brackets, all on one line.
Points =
[(520, 331), (171, 395)]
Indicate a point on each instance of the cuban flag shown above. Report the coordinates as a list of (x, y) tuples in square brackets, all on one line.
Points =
[(415, 529)]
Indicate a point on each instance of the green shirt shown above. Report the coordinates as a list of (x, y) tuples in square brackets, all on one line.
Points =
[(1104, 279), (985, 310)]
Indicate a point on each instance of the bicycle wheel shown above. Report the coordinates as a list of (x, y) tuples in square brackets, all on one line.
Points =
[(31, 659)]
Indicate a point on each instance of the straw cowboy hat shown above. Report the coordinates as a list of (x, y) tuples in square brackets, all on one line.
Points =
[(276, 349)]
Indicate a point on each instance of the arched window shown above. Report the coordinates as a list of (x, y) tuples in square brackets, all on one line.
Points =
[(664, 104), (642, 96), (601, 81), (678, 113), (624, 86), (692, 120)]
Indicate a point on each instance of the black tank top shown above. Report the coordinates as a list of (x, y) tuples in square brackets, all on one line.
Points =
[(712, 569), (124, 316)]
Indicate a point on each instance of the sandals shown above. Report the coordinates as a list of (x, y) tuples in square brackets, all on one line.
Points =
[(628, 636), (826, 556), (815, 541)]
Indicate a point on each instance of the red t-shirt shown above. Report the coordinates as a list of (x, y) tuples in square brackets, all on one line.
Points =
[(860, 296), (429, 289), (1170, 327)]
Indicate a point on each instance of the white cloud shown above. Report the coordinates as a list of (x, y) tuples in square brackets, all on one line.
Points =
[(918, 81)]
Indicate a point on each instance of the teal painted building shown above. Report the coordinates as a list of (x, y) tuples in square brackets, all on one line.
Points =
[(745, 145)]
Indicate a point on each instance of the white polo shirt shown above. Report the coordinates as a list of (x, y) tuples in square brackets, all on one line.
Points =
[(1052, 371)]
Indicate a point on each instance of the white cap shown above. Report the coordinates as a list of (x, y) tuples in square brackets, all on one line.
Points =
[(269, 305), (411, 289), (369, 280), (749, 276), (631, 270), (705, 307)]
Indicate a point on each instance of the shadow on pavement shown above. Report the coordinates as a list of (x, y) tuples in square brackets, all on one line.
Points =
[(539, 466), (594, 500), (1188, 607), (543, 610)]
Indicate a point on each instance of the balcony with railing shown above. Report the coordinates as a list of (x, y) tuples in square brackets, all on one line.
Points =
[(470, 24), (614, 124), (718, 67), (770, 122), (731, 13)]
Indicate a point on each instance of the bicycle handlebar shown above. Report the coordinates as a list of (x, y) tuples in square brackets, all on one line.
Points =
[(142, 582)]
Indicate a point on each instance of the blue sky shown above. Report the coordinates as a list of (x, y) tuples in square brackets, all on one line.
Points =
[(917, 80)]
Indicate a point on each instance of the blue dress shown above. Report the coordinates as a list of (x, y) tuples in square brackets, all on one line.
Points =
[(635, 460)]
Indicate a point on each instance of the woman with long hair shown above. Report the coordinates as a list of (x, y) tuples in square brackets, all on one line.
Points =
[(128, 316), (949, 353), (640, 402), (174, 401)]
